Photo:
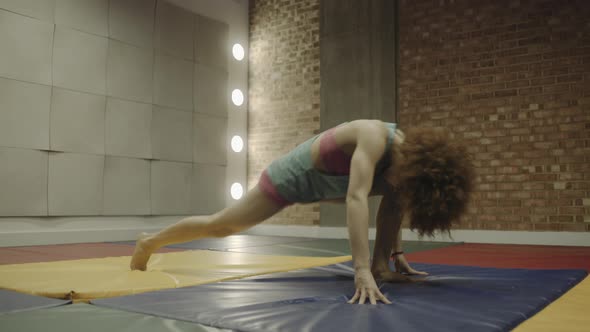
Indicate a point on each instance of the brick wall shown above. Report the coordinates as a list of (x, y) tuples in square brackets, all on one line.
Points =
[(512, 79), (284, 80)]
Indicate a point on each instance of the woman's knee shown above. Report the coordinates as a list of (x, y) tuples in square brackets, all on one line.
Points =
[(254, 208)]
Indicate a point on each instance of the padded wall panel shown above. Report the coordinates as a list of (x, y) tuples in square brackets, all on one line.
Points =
[(171, 134), (77, 122), (23, 179), (128, 129), (171, 187), (26, 48), (42, 10), (174, 31), (79, 61), (173, 83), (212, 46), (132, 21), (129, 72), (211, 92), (209, 189), (126, 186), (75, 184), (85, 15), (24, 115), (210, 143)]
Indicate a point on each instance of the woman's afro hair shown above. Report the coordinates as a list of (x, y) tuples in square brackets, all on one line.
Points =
[(434, 177)]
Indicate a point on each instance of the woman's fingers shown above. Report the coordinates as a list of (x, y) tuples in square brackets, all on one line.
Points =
[(421, 273), (355, 297), (383, 298), (363, 296), (372, 297)]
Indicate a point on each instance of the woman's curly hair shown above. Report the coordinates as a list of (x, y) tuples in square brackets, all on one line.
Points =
[(433, 175)]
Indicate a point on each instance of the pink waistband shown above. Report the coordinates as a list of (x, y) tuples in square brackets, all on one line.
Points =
[(267, 187)]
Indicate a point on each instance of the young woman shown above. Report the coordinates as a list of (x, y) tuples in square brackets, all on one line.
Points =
[(423, 176)]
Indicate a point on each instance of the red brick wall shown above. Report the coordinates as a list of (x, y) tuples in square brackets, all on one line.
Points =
[(512, 79), (284, 79)]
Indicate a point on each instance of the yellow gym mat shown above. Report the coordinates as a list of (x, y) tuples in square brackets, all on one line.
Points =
[(86, 279), (568, 313)]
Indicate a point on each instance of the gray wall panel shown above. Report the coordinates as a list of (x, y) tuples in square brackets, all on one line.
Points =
[(84, 15), (174, 31), (208, 189), (130, 72), (210, 141), (75, 184), (77, 122), (132, 21), (128, 129), (21, 35), (126, 186), (171, 134), (211, 42), (211, 93), (171, 187), (79, 61), (42, 10), (111, 92), (24, 115), (23, 182), (173, 83)]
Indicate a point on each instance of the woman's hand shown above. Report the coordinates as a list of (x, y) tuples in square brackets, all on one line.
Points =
[(402, 266), (366, 287)]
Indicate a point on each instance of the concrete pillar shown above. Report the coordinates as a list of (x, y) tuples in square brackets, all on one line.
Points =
[(358, 71)]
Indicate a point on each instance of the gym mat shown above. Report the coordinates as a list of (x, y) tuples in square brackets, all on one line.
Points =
[(452, 298), (508, 255), (89, 318), (15, 302), (331, 247), (569, 313), (81, 280), (59, 252)]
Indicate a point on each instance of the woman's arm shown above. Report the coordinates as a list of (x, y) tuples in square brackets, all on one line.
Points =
[(388, 223), (388, 226), (401, 264), (369, 149)]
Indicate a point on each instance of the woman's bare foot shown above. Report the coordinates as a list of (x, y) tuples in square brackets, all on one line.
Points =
[(142, 253)]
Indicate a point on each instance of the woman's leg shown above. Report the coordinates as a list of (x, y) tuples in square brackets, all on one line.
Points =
[(253, 208)]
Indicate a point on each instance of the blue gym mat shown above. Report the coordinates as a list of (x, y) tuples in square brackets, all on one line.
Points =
[(11, 302), (452, 298)]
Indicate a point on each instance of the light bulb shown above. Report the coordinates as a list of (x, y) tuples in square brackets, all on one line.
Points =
[(237, 97), (236, 191), (238, 52), (237, 144)]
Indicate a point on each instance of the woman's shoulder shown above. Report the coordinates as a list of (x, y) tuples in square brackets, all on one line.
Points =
[(371, 127)]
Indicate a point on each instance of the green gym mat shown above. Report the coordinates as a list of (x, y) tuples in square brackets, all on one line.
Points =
[(89, 318)]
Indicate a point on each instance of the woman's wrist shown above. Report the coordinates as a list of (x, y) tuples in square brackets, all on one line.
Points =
[(358, 266)]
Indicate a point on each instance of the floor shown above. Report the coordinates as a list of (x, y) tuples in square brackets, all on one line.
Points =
[(70, 317)]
